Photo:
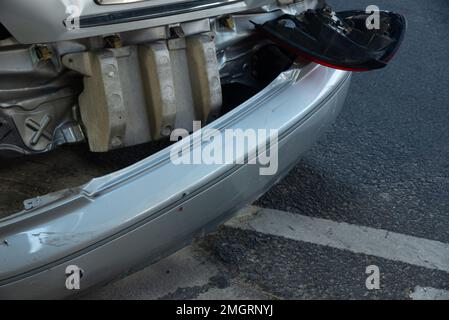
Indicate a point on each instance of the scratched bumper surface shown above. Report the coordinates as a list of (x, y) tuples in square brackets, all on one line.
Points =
[(148, 210)]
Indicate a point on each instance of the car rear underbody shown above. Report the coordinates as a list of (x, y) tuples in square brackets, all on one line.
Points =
[(92, 94), (122, 90)]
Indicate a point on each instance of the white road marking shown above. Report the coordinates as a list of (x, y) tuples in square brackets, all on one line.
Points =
[(375, 242), (191, 268), (428, 293)]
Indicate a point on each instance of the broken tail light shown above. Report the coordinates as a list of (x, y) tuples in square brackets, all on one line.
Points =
[(339, 40)]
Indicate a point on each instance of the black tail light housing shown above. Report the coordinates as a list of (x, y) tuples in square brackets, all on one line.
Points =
[(339, 40), (4, 33)]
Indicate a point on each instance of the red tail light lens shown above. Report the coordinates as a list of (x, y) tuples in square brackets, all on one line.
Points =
[(339, 40)]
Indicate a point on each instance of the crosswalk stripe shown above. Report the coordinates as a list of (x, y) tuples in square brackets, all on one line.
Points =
[(358, 239)]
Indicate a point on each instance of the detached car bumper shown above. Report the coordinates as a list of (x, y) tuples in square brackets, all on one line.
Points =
[(145, 212)]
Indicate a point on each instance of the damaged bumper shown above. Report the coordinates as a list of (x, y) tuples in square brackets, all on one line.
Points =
[(145, 212)]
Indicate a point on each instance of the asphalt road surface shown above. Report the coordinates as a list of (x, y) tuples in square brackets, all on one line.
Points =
[(374, 191)]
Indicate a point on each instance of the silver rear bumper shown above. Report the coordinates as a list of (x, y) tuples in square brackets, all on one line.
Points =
[(146, 211)]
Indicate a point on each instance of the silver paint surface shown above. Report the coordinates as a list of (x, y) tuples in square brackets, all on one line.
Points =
[(32, 21), (148, 210)]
